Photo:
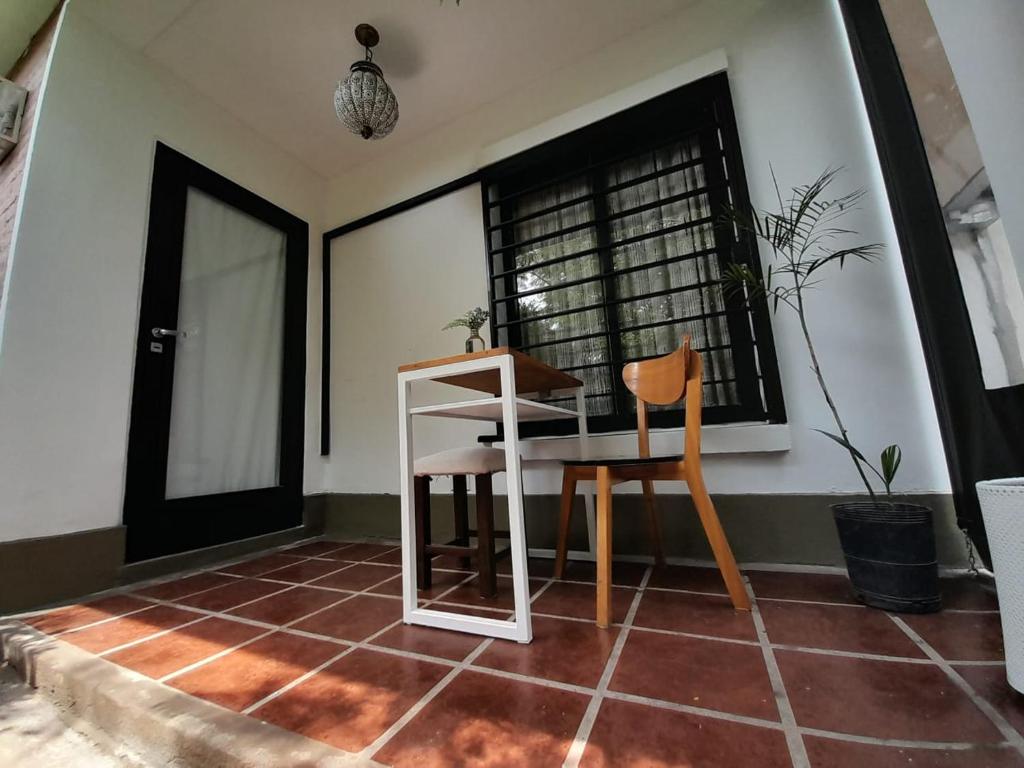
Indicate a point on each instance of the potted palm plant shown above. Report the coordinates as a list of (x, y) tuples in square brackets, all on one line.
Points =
[(889, 545)]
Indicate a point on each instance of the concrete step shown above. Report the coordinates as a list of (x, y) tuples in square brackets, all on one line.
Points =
[(154, 724)]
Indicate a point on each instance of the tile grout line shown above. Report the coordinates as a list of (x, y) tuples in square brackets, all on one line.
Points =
[(365, 644), (156, 602), (275, 628), (152, 602), (794, 740), (901, 743), (154, 636), (586, 726), (377, 744), (1008, 731), (299, 680), (302, 678), (133, 589), (827, 603), (287, 628), (934, 658), (713, 714), (389, 733), (289, 547), (689, 709)]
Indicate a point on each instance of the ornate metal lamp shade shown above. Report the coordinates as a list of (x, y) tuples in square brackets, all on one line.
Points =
[(363, 100)]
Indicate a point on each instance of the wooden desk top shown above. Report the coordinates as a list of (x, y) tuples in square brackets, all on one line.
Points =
[(531, 374)]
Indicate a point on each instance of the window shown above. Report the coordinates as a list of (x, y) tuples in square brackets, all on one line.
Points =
[(606, 246)]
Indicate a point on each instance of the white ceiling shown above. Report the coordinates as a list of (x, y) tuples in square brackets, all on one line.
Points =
[(274, 63)]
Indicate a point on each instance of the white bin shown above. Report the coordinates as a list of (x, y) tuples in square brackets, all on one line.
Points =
[(1002, 507)]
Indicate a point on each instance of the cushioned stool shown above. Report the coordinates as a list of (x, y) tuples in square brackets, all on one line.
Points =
[(482, 463)]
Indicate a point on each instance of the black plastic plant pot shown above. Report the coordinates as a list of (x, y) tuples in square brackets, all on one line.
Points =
[(890, 555)]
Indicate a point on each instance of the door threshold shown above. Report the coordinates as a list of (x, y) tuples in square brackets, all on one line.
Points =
[(197, 558)]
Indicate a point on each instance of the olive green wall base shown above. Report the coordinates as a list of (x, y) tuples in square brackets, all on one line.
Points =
[(44, 570), (37, 572), (795, 528)]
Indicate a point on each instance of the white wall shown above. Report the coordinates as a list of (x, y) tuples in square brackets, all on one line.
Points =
[(798, 107), (71, 311)]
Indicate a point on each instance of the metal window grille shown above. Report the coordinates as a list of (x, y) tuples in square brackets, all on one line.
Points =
[(607, 246)]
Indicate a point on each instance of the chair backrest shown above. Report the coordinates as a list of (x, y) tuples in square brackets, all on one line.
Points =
[(664, 381)]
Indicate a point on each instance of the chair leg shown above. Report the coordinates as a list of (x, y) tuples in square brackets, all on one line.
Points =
[(604, 547), (485, 537), (719, 544), (651, 502), (460, 499), (564, 519), (421, 487)]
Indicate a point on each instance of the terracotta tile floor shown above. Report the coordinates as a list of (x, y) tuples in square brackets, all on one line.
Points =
[(311, 639)]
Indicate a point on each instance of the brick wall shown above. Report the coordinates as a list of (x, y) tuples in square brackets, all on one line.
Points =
[(28, 71)]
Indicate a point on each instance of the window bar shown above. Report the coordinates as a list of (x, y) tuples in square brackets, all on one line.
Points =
[(622, 271), (644, 327), (631, 241), (668, 170), (743, 360), (580, 172), (659, 203), (618, 300), (767, 364), (610, 290), (653, 176)]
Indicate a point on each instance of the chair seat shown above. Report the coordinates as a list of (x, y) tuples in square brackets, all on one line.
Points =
[(476, 460), (618, 461)]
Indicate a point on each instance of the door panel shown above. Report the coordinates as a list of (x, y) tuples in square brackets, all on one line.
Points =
[(215, 448)]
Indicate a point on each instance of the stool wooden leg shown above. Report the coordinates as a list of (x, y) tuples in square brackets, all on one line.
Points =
[(485, 537), (460, 499), (564, 519), (604, 547), (421, 487), (651, 502)]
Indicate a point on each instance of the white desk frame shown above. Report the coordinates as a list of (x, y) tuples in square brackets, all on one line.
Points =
[(509, 409)]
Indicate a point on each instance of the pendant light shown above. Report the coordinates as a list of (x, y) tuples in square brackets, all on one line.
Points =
[(364, 102)]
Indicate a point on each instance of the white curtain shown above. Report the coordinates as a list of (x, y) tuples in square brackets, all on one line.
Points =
[(226, 401), (569, 354)]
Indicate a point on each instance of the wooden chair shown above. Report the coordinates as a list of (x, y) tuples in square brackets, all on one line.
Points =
[(662, 381), (482, 463)]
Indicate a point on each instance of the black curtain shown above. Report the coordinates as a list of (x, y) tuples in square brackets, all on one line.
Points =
[(981, 428)]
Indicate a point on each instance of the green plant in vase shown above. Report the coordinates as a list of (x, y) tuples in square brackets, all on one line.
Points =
[(805, 236), (474, 320)]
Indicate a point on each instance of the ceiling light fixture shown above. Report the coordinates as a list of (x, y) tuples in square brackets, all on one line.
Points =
[(364, 102)]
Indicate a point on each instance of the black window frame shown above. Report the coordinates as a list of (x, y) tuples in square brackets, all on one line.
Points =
[(708, 114)]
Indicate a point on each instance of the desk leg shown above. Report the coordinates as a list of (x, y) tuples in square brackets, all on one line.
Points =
[(516, 517), (405, 462), (588, 495)]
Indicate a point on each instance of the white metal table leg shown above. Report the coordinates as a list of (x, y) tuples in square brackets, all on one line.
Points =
[(520, 629), (588, 498), (516, 516), (405, 461)]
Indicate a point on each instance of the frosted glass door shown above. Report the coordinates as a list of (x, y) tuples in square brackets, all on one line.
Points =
[(225, 428)]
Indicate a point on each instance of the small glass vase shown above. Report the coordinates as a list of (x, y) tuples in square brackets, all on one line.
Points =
[(475, 342)]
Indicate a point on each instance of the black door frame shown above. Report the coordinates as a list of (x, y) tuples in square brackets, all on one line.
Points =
[(980, 427), (156, 526)]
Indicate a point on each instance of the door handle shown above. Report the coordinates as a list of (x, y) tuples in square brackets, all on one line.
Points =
[(161, 332)]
